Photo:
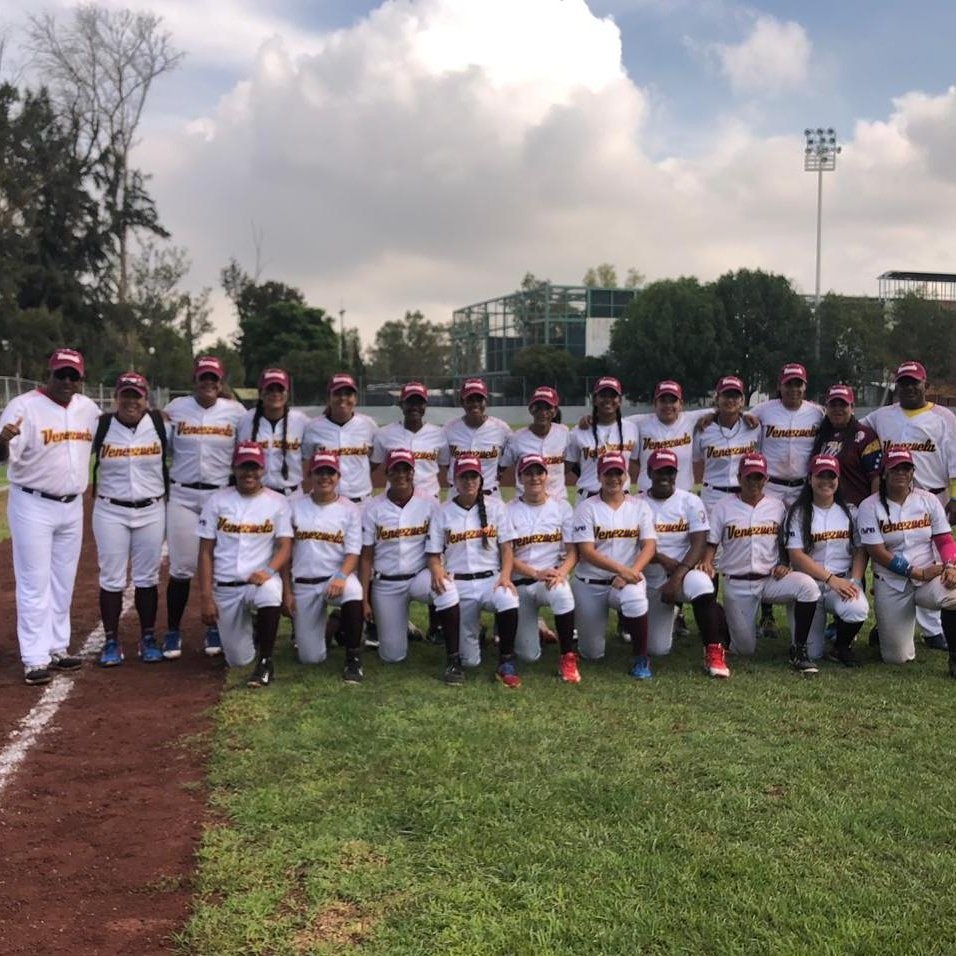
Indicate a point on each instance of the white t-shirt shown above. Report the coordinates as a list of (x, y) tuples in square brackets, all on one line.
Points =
[(747, 534), (551, 447), (202, 440), (398, 533), (323, 535), (540, 531), (486, 443), (131, 462), (678, 437), (675, 519), (720, 449), (458, 532), (617, 533), (270, 439), (427, 445), (352, 442), (584, 452), (833, 536), (52, 451), (787, 436), (245, 529)]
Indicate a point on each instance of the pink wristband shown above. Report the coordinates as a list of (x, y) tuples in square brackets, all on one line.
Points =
[(946, 547)]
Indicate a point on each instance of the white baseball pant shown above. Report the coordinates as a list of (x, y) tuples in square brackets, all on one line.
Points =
[(710, 496), (896, 614), (856, 609), (477, 596), (660, 616), (785, 493), (390, 600), (47, 537), (129, 536), (593, 601), (530, 598), (235, 605), (309, 618), (742, 600), (928, 619), (182, 522)]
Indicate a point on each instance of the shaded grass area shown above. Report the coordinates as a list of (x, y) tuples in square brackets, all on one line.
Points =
[(767, 813)]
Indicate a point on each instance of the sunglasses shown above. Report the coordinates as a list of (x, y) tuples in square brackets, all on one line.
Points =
[(67, 373)]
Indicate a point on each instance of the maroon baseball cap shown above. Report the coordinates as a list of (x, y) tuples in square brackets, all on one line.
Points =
[(399, 456), (668, 387), (473, 386), (610, 461), (274, 376), (791, 371), (467, 463), (607, 381), (752, 464), (341, 380), (249, 453), (545, 394), (527, 461), (67, 358), (133, 381), (209, 365), (662, 458), (413, 390), (841, 393), (895, 456), (730, 383), (324, 459), (911, 369), (821, 463)]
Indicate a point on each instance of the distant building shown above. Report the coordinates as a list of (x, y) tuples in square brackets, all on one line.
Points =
[(940, 286)]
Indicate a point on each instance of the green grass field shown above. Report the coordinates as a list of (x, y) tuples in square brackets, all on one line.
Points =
[(770, 813)]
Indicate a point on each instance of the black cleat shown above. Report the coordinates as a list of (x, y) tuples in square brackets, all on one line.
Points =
[(353, 673), (262, 674), (37, 675), (799, 660), (454, 674), (65, 662), (842, 655)]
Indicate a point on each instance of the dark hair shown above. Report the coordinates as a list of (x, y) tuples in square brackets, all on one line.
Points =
[(883, 499), (257, 418), (594, 424), (826, 431), (804, 504), (482, 510)]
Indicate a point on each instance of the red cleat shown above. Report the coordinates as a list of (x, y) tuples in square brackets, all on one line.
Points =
[(568, 668), (715, 662)]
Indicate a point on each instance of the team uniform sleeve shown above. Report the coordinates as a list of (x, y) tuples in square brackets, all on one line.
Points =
[(871, 452), (506, 530), (206, 527), (284, 521), (795, 534), (368, 526), (697, 449), (938, 516), (567, 522), (583, 524), (308, 442), (573, 452), (379, 452), (444, 452), (507, 459), (353, 532), (436, 530), (646, 525), (696, 514), (868, 524), (855, 527), (716, 526)]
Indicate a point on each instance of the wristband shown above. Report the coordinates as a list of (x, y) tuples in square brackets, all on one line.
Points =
[(338, 576), (826, 580), (270, 571), (899, 565)]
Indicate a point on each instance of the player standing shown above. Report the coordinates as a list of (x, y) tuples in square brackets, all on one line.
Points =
[(478, 434), (47, 435), (545, 437)]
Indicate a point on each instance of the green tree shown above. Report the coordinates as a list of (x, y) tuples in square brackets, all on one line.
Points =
[(545, 365), (604, 276), (854, 342), (924, 330), (409, 348)]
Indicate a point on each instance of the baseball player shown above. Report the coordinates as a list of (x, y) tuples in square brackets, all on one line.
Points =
[(245, 537), (822, 542), (346, 433), (424, 440), (129, 513), (928, 431), (680, 523), (746, 527), (616, 540), (47, 434), (279, 430), (327, 542), (398, 555), (543, 558), (474, 532), (908, 537), (545, 437), (478, 434), (202, 439), (608, 432)]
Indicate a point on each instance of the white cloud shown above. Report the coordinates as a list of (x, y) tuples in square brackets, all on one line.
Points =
[(774, 57)]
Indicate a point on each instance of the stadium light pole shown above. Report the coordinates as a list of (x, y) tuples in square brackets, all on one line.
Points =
[(819, 156)]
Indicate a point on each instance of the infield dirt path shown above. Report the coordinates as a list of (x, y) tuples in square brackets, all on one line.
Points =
[(100, 824)]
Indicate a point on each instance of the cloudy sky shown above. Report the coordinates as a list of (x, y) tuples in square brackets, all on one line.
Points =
[(427, 153)]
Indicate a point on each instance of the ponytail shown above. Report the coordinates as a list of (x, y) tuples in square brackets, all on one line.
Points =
[(285, 442), (483, 513)]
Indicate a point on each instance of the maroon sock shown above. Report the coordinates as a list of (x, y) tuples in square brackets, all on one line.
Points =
[(147, 601), (111, 606), (177, 596), (707, 616), (450, 620), (351, 627), (268, 626), (637, 628), (803, 613), (564, 625), (506, 623)]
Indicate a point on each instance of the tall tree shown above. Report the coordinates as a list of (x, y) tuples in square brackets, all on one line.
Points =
[(604, 276), (545, 365), (410, 348), (854, 342), (925, 330)]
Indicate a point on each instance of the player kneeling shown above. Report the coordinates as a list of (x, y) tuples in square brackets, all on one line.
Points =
[(680, 522), (245, 537), (325, 552), (746, 527), (543, 558)]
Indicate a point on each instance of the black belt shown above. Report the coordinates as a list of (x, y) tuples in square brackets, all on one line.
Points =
[(595, 580), (311, 580), (142, 503), (356, 501), (753, 576), (489, 491), (787, 482), (65, 499), (196, 485), (730, 490), (520, 582), (283, 491), (396, 577), (934, 491), (231, 584), (478, 575)]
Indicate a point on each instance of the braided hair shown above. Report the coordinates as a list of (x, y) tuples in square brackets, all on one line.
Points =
[(804, 504), (594, 425), (482, 511), (257, 418)]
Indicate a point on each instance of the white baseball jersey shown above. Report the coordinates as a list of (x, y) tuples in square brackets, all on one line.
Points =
[(323, 534), (399, 533), (616, 533), (720, 449), (52, 451), (486, 443), (930, 435), (787, 436), (245, 529), (833, 536), (747, 534), (675, 519), (269, 436), (131, 462), (352, 442), (458, 532), (202, 440), (428, 445), (540, 531), (584, 452), (907, 530), (678, 437), (552, 447)]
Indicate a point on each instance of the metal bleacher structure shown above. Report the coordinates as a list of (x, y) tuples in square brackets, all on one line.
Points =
[(939, 286)]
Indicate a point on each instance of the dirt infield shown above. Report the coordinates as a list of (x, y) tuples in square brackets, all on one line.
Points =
[(99, 826)]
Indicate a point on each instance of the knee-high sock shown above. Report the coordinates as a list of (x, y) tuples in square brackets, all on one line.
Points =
[(450, 620), (707, 616), (949, 628), (177, 596), (111, 606), (351, 628), (506, 623), (846, 631), (147, 601), (803, 612), (564, 625), (267, 619), (636, 627)]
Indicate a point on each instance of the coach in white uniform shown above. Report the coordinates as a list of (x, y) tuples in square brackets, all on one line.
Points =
[(543, 437), (47, 434), (478, 434)]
